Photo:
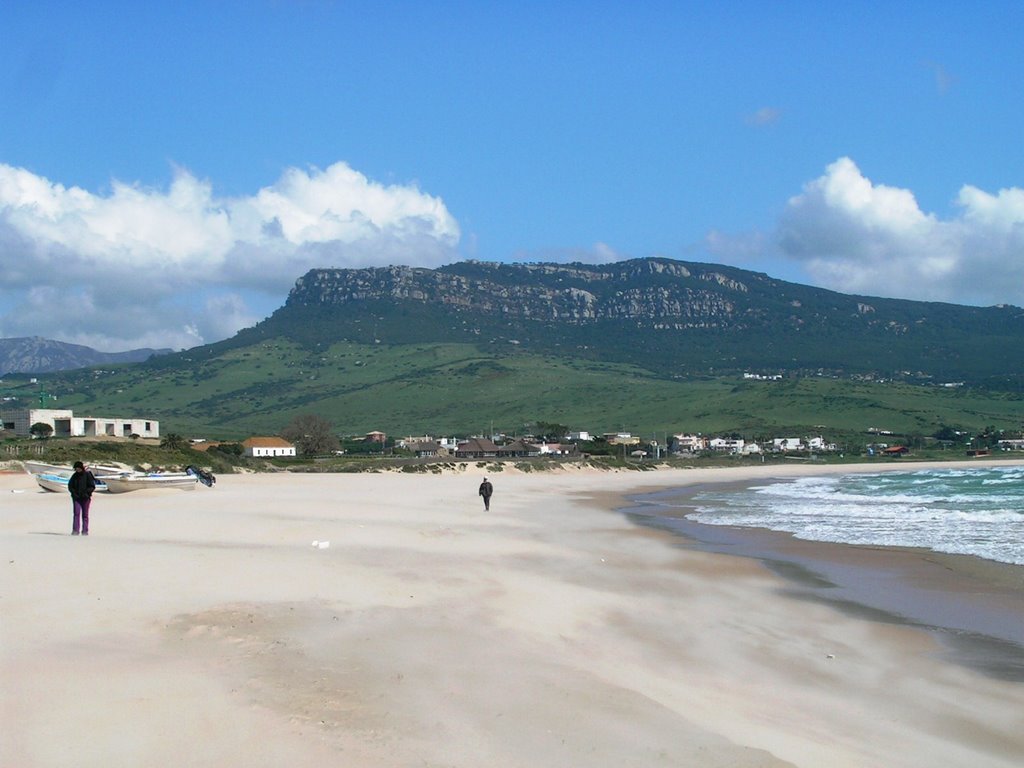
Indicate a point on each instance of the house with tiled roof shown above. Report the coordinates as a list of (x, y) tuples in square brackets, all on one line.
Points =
[(476, 448), (518, 448), (426, 449), (267, 447)]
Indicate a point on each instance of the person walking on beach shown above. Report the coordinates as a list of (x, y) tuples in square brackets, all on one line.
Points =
[(81, 484), (486, 489)]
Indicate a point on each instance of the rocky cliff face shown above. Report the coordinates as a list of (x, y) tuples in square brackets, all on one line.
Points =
[(673, 317), (653, 290)]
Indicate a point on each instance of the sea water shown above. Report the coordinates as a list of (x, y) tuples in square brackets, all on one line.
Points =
[(974, 511)]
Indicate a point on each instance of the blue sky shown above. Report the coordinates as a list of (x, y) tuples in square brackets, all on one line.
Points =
[(167, 170)]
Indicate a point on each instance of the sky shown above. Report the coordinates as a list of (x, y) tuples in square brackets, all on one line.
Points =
[(169, 170)]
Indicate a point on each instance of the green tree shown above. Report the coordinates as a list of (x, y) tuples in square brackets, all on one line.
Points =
[(40, 429), (310, 434), (173, 442), (549, 430), (947, 433), (228, 449)]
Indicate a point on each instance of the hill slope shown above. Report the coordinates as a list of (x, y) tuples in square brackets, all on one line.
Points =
[(457, 388), (648, 346)]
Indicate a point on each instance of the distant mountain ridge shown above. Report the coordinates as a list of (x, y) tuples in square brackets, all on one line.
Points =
[(675, 318), (34, 354)]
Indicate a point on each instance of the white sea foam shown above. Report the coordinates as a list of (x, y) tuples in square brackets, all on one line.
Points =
[(978, 511)]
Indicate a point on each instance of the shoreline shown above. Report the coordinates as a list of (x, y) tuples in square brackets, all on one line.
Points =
[(973, 606), (204, 628)]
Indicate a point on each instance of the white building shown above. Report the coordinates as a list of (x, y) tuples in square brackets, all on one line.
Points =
[(726, 444), (819, 444), (65, 424), (267, 447), (692, 443), (787, 444)]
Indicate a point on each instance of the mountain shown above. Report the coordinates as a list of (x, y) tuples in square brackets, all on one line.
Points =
[(34, 354), (647, 345), (674, 318)]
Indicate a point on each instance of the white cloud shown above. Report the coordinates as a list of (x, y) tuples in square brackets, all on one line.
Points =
[(180, 267), (854, 236)]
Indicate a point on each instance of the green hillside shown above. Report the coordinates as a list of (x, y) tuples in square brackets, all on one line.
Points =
[(651, 346), (231, 391)]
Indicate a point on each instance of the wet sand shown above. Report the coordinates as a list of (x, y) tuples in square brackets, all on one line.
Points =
[(973, 607)]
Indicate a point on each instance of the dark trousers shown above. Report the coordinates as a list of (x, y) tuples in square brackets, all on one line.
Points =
[(80, 520), (487, 502)]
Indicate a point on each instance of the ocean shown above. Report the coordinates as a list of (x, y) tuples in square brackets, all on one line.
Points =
[(972, 511)]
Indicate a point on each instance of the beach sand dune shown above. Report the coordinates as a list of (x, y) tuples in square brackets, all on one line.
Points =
[(206, 629)]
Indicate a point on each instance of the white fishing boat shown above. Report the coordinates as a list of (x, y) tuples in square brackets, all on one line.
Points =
[(138, 482), (41, 468), (66, 470), (58, 483), (49, 481)]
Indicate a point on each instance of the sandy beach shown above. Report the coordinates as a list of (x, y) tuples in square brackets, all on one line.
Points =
[(204, 628)]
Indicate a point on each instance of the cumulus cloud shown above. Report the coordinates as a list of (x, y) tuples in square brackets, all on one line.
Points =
[(180, 266), (852, 235), (862, 237)]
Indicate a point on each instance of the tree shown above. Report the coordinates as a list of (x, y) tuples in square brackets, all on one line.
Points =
[(40, 429), (228, 449), (173, 442), (549, 430), (947, 433), (310, 434)]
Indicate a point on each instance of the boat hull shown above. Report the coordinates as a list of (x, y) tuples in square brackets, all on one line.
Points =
[(51, 482), (63, 470), (58, 483), (41, 468), (129, 483)]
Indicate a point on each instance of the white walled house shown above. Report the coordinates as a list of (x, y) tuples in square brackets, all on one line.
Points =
[(267, 447), (726, 444), (787, 444), (65, 424), (692, 443), (819, 444)]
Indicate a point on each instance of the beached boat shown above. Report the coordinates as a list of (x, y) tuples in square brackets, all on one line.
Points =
[(66, 470), (138, 482), (58, 482), (54, 477), (49, 481), (41, 468)]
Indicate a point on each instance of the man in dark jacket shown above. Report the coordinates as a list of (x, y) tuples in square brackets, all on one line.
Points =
[(81, 484), (486, 489)]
